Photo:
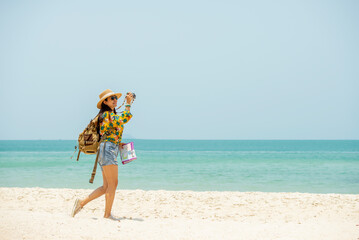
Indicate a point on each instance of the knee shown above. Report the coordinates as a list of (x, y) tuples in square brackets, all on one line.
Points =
[(112, 185), (105, 187), (115, 183)]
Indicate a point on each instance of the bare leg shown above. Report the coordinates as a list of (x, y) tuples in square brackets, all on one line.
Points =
[(96, 193), (111, 175)]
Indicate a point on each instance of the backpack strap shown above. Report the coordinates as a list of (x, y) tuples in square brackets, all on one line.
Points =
[(78, 156), (94, 168), (96, 161)]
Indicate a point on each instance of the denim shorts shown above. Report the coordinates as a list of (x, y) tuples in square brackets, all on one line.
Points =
[(108, 154)]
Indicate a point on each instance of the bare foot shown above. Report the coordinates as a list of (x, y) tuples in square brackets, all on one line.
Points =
[(112, 218), (76, 208)]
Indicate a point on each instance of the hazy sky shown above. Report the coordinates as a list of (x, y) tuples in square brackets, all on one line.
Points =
[(200, 69)]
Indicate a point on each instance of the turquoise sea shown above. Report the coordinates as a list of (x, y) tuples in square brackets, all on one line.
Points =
[(245, 165)]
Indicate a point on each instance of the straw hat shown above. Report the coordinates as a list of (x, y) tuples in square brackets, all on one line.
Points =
[(105, 94)]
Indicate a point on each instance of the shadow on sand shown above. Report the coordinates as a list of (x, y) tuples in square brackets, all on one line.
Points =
[(114, 218)]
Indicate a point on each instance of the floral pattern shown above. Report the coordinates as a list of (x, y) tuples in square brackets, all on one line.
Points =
[(112, 125)]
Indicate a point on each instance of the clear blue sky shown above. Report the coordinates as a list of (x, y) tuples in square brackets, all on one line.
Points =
[(200, 69)]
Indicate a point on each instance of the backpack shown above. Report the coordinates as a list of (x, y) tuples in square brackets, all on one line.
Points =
[(89, 139)]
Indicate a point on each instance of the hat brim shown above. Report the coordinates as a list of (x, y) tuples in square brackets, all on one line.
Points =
[(106, 96)]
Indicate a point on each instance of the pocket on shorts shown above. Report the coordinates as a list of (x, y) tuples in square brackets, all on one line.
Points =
[(113, 149)]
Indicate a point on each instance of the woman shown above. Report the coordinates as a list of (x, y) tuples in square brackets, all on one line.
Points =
[(111, 129)]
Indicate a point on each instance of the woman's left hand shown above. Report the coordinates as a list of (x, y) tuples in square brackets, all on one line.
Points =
[(129, 98)]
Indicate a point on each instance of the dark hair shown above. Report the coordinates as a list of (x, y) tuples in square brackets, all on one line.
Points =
[(103, 109)]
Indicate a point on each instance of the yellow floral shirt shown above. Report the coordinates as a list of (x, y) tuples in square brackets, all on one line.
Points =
[(112, 125)]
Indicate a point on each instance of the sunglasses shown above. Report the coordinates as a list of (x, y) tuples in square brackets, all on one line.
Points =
[(113, 97)]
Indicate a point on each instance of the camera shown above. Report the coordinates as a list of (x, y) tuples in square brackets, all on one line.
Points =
[(133, 95)]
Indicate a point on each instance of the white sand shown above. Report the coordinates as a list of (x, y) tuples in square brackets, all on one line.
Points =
[(38, 213)]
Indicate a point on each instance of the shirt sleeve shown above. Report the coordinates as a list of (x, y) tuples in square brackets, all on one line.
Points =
[(111, 120), (125, 116)]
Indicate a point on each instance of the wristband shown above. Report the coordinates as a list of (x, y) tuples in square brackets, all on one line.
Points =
[(128, 105)]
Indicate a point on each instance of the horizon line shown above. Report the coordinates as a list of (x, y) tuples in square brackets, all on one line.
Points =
[(181, 139)]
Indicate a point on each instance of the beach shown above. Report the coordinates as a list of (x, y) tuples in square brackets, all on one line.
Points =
[(44, 213)]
